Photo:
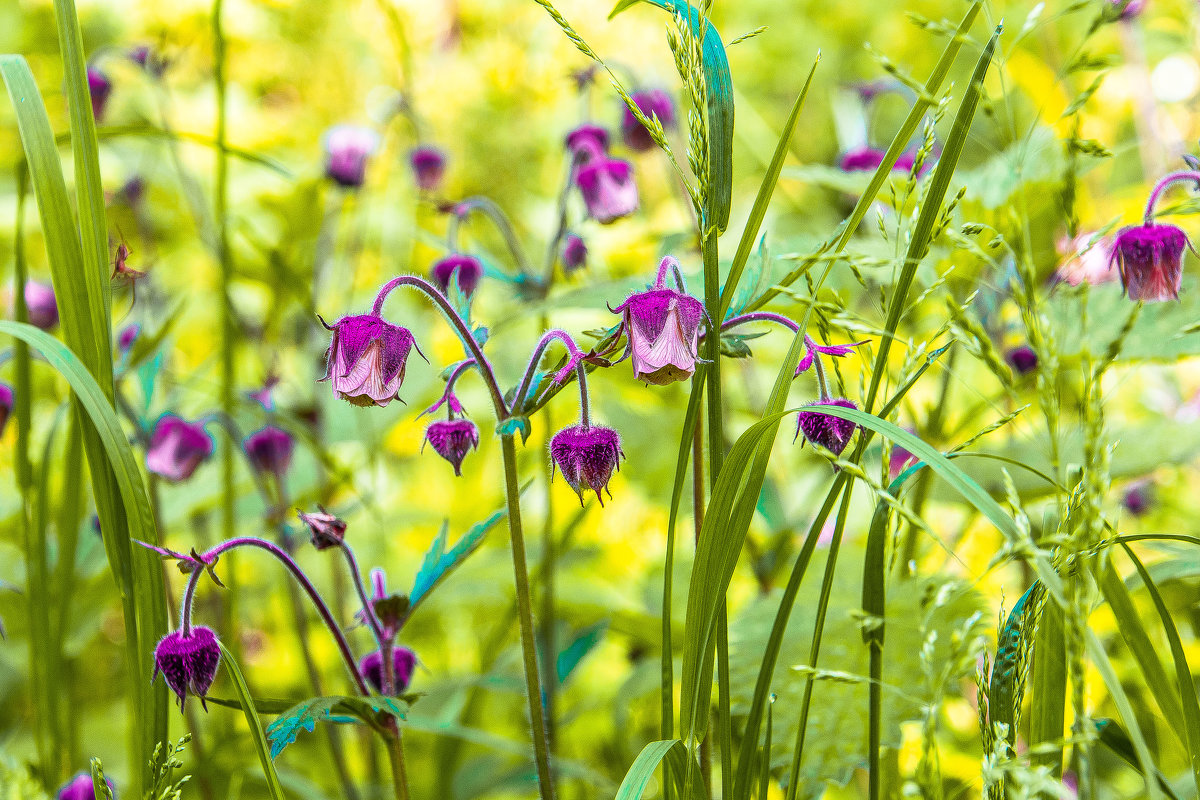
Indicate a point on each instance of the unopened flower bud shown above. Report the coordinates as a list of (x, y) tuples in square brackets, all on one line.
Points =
[(587, 456), (652, 103), (452, 439), (40, 302), (832, 433), (428, 166), (403, 660), (188, 663), (326, 529), (177, 447), (269, 450), (465, 270)]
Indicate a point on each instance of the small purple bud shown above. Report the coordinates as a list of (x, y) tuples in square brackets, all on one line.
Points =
[(452, 439), (99, 87), (148, 59), (467, 269), (128, 336), (1150, 261), (574, 253), (81, 788), (177, 447), (366, 359), (1138, 498), (269, 450), (608, 189), (587, 456), (1022, 359), (1130, 9), (663, 329), (832, 433), (428, 166), (588, 141), (188, 663), (651, 102), (347, 149), (43, 308), (404, 661), (861, 159), (899, 460), (326, 529), (6, 405), (133, 191)]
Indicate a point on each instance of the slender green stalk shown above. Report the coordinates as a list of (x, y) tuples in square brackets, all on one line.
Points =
[(548, 615), (395, 751)]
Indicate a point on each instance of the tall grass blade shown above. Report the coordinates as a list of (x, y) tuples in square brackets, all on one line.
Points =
[(254, 723)]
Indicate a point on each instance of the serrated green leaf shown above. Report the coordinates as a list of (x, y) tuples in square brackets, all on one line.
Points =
[(438, 563)]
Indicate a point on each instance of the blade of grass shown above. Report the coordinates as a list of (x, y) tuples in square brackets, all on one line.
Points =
[(253, 722), (1048, 693)]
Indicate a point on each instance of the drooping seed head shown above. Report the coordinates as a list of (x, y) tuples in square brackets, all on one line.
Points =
[(452, 439), (81, 787), (177, 447), (6, 405), (663, 329), (1149, 259), (832, 433), (428, 166), (465, 270), (403, 660), (574, 253), (99, 87), (366, 359), (651, 102), (326, 529), (269, 450), (347, 150), (188, 663), (608, 189), (43, 308), (587, 456), (1022, 359)]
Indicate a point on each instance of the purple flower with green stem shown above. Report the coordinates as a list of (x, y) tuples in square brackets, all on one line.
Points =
[(606, 184), (6, 405), (100, 88), (662, 328), (1149, 257), (428, 165), (366, 359), (177, 447), (652, 103), (452, 438)]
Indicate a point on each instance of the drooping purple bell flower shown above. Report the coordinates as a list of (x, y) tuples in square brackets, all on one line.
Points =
[(188, 663), (587, 141), (662, 326), (403, 660), (128, 336), (366, 359), (6, 405), (452, 439), (428, 166), (177, 447), (899, 460), (40, 302), (832, 433), (861, 159), (587, 456), (574, 253), (269, 450), (326, 529), (1149, 259), (651, 102), (99, 87), (347, 150), (1022, 359), (608, 189), (81, 787), (466, 270)]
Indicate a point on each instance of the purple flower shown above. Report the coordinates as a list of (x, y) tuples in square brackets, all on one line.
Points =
[(574, 253), (905, 161), (326, 529), (81, 788), (608, 189), (832, 433), (6, 405), (662, 326), (347, 148), (148, 59), (1138, 497), (861, 159), (1150, 260), (404, 661), (269, 450), (452, 439), (128, 336), (899, 460), (1131, 9), (188, 663), (1022, 359), (587, 141), (466, 268), (652, 103), (40, 302), (811, 349), (1087, 259), (587, 456), (428, 166), (366, 359), (177, 447), (99, 87)]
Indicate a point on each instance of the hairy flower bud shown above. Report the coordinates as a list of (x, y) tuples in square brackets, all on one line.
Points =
[(81, 788), (99, 87), (347, 150), (587, 141), (452, 439), (1022, 359), (188, 663), (587, 456), (40, 302), (832, 433), (403, 660), (269, 450), (366, 359), (6, 405), (652, 103), (574, 253), (428, 166), (466, 270), (177, 447), (662, 326), (326, 529), (1150, 261)]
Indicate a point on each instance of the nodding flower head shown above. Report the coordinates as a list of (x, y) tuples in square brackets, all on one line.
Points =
[(608, 188), (188, 663), (587, 456), (652, 103), (128, 336), (466, 270), (1138, 497), (365, 361), (587, 142), (861, 159), (1127, 9), (326, 529), (99, 87), (1022, 359), (269, 450), (1086, 259), (404, 661), (662, 326), (574, 253), (81, 788), (428, 166), (177, 447), (6, 405), (832, 433), (452, 439), (347, 149), (1149, 259), (40, 302)]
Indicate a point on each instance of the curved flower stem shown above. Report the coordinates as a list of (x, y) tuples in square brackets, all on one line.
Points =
[(498, 218), (460, 327), (368, 607), (326, 615), (1161, 186), (585, 412), (560, 230), (538, 350), (669, 264), (792, 325), (533, 684)]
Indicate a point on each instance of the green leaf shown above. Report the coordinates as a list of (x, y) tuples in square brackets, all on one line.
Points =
[(1117, 740), (305, 716), (670, 751), (583, 643), (256, 730), (514, 425), (438, 563)]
